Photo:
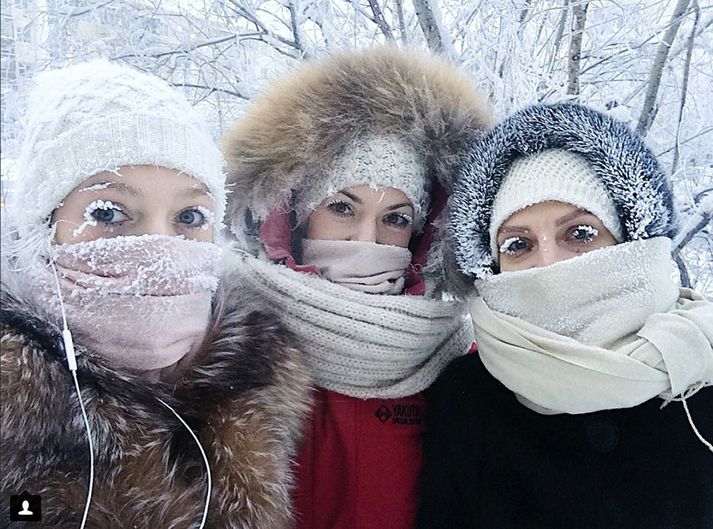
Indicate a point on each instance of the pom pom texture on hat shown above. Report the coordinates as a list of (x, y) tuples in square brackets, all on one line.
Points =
[(99, 116), (625, 166)]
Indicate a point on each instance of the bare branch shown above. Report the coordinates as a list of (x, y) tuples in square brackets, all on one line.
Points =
[(684, 88), (703, 132), (402, 22), (579, 18), (429, 25), (648, 112), (211, 89), (380, 20)]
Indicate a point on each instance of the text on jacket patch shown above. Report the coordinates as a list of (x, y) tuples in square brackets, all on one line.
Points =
[(399, 414)]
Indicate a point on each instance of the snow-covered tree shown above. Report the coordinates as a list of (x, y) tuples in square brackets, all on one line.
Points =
[(649, 63)]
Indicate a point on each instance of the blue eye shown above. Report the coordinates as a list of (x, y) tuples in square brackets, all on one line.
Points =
[(340, 208), (398, 220), (514, 246), (192, 217), (106, 212)]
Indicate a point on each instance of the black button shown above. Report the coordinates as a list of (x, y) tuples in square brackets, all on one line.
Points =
[(602, 435)]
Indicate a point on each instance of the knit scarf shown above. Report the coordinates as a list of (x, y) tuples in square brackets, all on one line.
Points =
[(141, 302), (607, 329), (360, 265), (363, 345)]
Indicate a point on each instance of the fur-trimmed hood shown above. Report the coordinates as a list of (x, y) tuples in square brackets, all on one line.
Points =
[(246, 396), (306, 119), (626, 167)]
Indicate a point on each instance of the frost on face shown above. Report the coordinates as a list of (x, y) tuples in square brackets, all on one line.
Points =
[(208, 216), (506, 246), (96, 187), (590, 232), (89, 219)]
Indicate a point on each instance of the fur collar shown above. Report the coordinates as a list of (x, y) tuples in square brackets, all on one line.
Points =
[(246, 395)]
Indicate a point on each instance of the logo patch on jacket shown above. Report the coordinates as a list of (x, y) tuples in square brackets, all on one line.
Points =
[(399, 414)]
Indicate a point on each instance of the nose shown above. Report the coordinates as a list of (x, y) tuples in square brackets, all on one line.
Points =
[(365, 231), (549, 252), (156, 225)]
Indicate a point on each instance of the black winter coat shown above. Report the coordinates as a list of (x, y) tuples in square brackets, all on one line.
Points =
[(492, 463)]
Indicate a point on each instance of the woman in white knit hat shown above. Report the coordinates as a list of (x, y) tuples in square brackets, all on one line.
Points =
[(110, 286), (338, 173), (588, 403)]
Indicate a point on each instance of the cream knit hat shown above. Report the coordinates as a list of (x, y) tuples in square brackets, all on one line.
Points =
[(98, 116), (553, 174), (375, 160)]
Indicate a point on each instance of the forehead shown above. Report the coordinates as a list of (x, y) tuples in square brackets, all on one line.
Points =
[(142, 180), (379, 195)]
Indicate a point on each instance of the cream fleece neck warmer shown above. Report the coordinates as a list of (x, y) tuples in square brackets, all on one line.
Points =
[(359, 265), (143, 302), (359, 344), (607, 329)]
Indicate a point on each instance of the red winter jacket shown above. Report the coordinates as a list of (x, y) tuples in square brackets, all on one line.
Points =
[(360, 466), (361, 461)]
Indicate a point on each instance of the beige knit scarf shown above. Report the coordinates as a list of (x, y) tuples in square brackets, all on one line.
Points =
[(607, 329), (364, 345)]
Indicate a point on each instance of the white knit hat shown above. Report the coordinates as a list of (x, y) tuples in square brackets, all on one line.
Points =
[(553, 174), (375, 160), (99, 116)]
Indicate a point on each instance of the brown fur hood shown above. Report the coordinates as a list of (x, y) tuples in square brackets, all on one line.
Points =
[(304, 120), (245, 396)]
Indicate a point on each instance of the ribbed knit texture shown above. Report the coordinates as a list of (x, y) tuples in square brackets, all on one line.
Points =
[(377, 161), (99, 116), (554, 174), (363, 345)]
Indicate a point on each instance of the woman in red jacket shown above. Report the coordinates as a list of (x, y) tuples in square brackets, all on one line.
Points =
[(339, 172)]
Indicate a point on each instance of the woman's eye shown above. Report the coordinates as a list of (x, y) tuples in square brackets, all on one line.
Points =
[(193, 217), (105, 212), (398, 220), (340, 208), (514, 246), (584, 233)]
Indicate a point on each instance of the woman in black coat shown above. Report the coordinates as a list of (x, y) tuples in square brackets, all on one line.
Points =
[(586, 405)]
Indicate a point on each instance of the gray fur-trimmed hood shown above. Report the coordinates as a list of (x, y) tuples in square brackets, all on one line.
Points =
[(626, 167)]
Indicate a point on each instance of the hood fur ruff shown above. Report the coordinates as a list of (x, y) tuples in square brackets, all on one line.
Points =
[(626, 167), (304, 120), (246, 396)]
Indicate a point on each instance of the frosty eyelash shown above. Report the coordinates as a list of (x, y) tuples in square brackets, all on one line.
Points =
[(337, 202), (89, 220), (591, 232), (505, 246), (208, 217), (408, 219)]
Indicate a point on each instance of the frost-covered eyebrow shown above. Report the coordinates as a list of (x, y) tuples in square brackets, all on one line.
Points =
[(119, 186)]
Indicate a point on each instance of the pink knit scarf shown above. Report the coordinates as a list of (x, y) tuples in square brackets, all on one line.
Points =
[(141, 302)]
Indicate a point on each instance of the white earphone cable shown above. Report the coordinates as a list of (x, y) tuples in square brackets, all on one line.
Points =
[(209, 478), (72, 363)]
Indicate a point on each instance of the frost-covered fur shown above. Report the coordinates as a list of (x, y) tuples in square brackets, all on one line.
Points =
[(245, 395), (626, 167), (303, 121)]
